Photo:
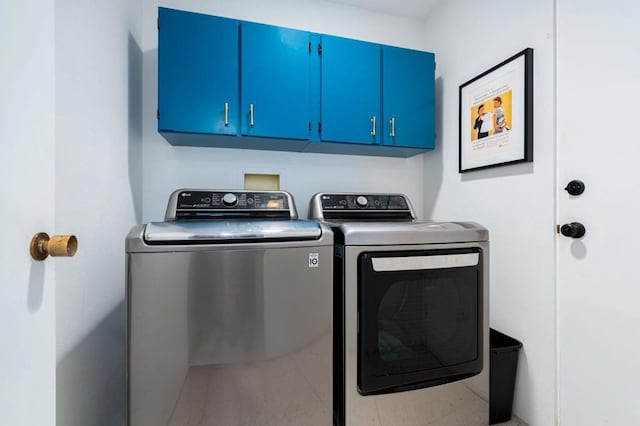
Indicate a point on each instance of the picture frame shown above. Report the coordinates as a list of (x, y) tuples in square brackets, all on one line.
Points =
[(496, 115)]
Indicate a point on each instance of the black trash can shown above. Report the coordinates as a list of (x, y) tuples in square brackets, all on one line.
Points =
[(502, 375)]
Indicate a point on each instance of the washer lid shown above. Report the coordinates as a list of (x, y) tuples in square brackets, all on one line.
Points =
[(399, 233), (235, 231)]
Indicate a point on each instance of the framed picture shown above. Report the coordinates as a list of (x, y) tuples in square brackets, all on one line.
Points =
[(496, 115)]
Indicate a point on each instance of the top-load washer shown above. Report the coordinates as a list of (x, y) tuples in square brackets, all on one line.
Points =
[(229, 313), (411, 304)]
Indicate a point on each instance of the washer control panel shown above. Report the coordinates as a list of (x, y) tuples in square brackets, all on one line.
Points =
[(236, 200), (208, 204)]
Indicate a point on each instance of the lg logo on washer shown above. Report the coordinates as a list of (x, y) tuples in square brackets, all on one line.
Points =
[(313, 260)]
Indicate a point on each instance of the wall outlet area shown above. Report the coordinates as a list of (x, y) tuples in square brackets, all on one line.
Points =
[(261, 182)]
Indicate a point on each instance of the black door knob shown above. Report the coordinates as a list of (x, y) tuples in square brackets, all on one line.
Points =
[(573, 230), (575, 187)]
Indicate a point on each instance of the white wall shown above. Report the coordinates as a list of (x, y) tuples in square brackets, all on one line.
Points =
[(27, 288), (516, 203), (98, 65), (167, 168)]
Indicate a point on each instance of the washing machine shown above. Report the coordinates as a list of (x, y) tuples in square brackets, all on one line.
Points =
[(411, 305), (229, 307)]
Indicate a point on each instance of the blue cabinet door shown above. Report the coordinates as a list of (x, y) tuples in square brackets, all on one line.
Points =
[(198, 89), (275, 81), (408, 98), (350, 91)]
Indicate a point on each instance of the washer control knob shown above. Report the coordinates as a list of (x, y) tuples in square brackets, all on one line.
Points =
[(573, 230), (229, 199), (362, 201)]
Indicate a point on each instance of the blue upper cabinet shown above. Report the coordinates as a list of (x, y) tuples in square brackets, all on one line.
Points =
[(274, 81), (197, 73), (350, 91), (289, 90), (408, 98)]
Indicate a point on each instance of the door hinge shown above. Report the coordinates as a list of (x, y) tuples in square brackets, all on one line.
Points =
[(158, 114), (309, 126), (158, 22), (557, 229), (319, 49), (309, 47), (319, 127)]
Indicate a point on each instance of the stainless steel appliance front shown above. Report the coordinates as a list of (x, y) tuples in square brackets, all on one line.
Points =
[(226, 331), (443, 403), (411, 318)]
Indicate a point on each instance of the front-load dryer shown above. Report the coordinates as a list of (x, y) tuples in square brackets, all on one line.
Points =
[(411, 314)]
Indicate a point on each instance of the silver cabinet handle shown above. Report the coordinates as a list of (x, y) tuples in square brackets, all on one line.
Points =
[(226, 113), (251, 115), (373, 125), (392, 122)]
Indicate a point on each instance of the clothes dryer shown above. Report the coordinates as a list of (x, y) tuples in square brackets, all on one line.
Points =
[(411, 313)]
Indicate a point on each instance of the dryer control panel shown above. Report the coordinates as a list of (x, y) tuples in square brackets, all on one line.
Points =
[(368, 201), (352, 206), (187, 204)]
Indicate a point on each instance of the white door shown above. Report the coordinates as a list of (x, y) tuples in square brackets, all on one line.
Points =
[(599, 143), (27, 292)]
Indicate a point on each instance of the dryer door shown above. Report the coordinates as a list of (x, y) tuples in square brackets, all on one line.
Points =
[(420, 318)]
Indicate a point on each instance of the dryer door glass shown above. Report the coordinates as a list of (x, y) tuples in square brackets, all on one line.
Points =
[(420, 318)]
